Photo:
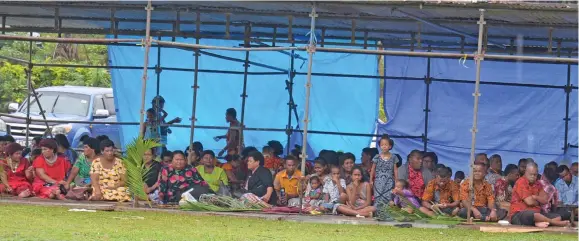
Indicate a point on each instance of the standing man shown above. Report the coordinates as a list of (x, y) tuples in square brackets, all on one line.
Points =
[(234, 136)]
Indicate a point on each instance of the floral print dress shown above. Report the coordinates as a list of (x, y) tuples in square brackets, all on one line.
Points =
[(175, 182), (109, 179)]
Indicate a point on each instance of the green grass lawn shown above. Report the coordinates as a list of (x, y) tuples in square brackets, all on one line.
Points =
[(22, 222)]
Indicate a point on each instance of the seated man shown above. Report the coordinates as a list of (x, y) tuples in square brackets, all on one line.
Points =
[(566, 186), (286, 183), (504, 186), (528, 196), (483, 205), (441, 194)]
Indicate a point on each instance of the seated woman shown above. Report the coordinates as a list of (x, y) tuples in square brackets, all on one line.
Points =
[(236, 175), (63, 148), (108, 176), (359, 194), (259, 185), (152, 177), (214, 176), (80, 174), (50, 170), (17, 172), (177, 179)]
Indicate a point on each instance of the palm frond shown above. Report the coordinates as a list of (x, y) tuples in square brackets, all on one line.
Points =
[(135, 166)]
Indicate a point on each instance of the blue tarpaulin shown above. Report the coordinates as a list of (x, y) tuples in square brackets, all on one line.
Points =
[(337, 104), (513, 121)]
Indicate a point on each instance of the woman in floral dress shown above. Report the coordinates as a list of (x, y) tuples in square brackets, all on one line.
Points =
[(108, 176), (177, 179)]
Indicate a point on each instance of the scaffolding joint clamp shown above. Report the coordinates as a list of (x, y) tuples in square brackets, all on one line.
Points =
[(477, 94), (473, 130), (195, 86), (426, 110), (158, 69), (427, 80), (568, 88), (311, 48), (243, 95), (566, 119), (246, 65)]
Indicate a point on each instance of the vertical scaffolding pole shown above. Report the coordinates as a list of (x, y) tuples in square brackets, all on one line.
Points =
[(568, 90), (195, 80), (244, 93), (158, 68), (158, 74), (29, 89), (311, 50), (478, 58), (147, 45), (427, 81), (291, 104)]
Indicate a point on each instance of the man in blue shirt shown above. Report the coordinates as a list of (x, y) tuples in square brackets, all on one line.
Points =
[(566, 186)]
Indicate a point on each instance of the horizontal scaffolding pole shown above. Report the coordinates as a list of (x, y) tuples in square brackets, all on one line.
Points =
[(172, 8), (204, 127), (387, 43), (313, 74), (69, 40), (271, 25)]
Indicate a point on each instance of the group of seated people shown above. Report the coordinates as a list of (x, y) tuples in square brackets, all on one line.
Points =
[(332, 183)]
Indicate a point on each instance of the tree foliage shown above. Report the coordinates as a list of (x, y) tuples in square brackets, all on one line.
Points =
[(13, 74)]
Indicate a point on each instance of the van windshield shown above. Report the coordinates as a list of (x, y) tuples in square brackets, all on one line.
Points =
[(59, 103)]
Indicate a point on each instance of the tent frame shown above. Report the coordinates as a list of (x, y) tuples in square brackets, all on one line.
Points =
[(311, 48)]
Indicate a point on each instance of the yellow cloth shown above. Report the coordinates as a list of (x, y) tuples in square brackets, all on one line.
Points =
[(289, 184), (215, 178), (109, 179)]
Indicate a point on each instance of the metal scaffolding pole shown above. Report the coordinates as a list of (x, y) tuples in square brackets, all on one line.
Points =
[(246, 43), (479, 57), (568, 89), (147, 44), (311, 48), (427, 81), (195, 84), (29, 89), (158, 70), (290, 103)]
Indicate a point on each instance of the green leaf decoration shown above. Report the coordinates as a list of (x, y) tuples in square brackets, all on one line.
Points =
[(136, 169)]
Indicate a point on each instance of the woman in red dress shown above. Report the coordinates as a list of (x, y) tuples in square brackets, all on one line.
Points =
[(51, 171), (17, 172)]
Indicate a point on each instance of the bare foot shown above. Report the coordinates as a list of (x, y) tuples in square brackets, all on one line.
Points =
[(24, 194), (542, 224), (60, 197), (565, 223)]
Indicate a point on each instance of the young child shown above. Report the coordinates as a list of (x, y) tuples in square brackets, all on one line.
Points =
[(400, 192), (458, 177), (160, 114), (384, 173), (166, 158), (151, 127), (272, 162), (314, 197)]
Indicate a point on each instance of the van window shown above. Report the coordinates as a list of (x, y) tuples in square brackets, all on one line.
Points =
[(110, 104)]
